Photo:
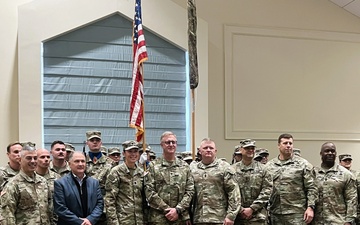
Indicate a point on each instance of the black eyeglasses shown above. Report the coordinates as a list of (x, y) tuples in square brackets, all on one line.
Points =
[(170, 142)]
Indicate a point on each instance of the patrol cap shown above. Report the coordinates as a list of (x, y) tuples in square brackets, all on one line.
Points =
[(247, 143), (28, 146), (103, 149), (262, 151), (93, 134), (127, 145), (236, 150), (189, 157), (69, 147), (179, 155), (141, 149), (297, 151), (113, 150), (152, 154), (257, 156), (344, 157)]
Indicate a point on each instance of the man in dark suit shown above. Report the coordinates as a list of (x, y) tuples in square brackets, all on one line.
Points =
[(77, 198)]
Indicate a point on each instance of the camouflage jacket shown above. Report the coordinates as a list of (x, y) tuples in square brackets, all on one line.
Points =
[(99, 170), (217, 194), (337, 196), (168, 185), (255, 187), (50, 177), (25, 200), (61, 171), (294, 185), (5, 174), (124, 196), (357, 176)]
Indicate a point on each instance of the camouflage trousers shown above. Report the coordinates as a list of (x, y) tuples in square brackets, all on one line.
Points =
[(249, 222), (206, 223), (288, 219), (169, 223)]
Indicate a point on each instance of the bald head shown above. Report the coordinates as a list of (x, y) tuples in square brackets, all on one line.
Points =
[(43, 158)]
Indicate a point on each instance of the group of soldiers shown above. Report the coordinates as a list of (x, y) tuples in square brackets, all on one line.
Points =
[(171, 190)]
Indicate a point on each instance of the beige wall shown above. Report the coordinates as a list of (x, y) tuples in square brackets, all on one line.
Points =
[(252, 111), (8, 74), (307, 15), (40, 20)]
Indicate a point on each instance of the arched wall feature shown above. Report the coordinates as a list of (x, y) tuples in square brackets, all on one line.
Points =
[(87, 84), (41, 20)]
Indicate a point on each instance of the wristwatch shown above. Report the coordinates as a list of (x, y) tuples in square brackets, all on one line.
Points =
[(312, 207)]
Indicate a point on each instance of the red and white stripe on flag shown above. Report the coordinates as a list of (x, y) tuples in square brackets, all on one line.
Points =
[(137, 90)]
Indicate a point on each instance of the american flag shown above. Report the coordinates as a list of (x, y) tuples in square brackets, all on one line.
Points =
[(137, 90)]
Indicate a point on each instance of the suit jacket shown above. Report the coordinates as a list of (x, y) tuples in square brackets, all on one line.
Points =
[(67, 202)]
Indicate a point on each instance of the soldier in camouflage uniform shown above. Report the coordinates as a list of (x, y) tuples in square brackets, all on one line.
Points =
[(295, 191), (12, 168), (114, 154), (337, 191), (169, 186), (217, 197), (345, 160), (42, 169), (98, 166), (237, 156), (59, 164), (26, 198), (124, 199), (255, 186), (69, 149)]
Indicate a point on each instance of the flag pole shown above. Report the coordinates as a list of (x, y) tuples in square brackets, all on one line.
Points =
[(194, 74), (137, 111), (144, 145), (193, 125)]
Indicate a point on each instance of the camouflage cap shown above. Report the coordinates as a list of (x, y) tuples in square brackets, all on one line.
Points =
[(152, 154), (344, 157), (113, 150), (179, 155), (127, 145), (28, 146), (141, 149), (262, 151), (69, 147), (257, 156), (188, 158), (236, 150), (93, 134), (247, 143), (297, 151), (103, 149)]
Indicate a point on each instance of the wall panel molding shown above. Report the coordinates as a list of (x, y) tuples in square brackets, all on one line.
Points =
[(273, 75)]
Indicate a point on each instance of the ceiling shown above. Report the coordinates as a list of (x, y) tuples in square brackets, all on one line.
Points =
[(353, 6)]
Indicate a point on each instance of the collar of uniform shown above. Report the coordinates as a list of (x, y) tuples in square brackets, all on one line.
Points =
[(102, 159), (334, 168), (244, 167), (30, 179), (124, 168), (281, 162), (10, 170), (168, 164), (201, 165)]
